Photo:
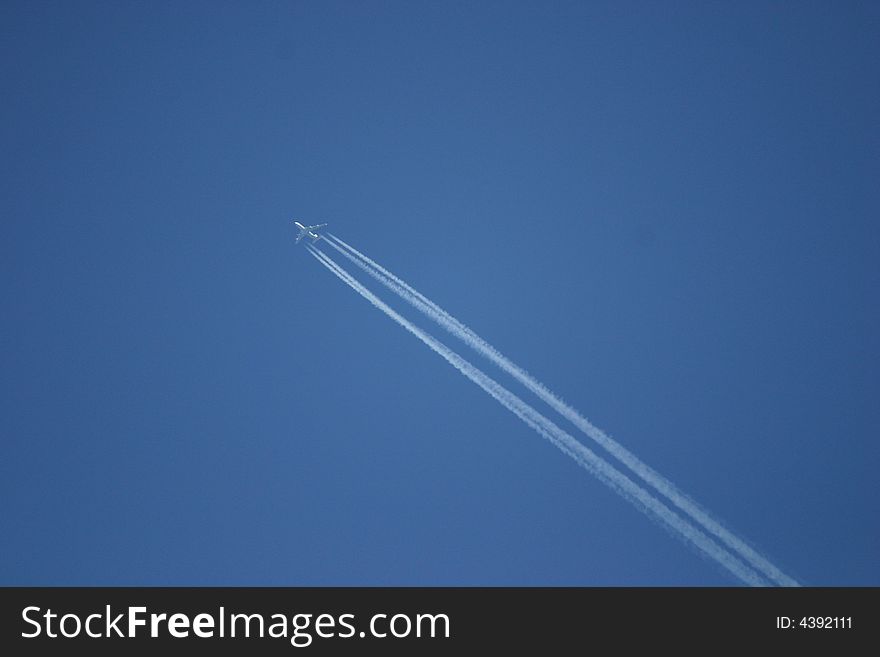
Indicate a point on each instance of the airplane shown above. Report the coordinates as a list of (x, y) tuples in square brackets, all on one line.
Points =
[(308, 231)]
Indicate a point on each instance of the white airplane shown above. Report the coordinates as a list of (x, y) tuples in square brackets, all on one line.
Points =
[(308, 231)]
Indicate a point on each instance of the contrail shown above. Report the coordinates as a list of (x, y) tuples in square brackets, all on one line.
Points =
[(609, 475), (618, 451)]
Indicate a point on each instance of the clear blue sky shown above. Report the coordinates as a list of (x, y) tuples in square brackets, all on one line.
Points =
[(667, 212)]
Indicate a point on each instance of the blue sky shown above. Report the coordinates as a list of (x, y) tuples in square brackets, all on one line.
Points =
[(665, 212)]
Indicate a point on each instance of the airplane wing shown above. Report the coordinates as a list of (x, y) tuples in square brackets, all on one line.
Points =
[(318, 226), (299, 237)]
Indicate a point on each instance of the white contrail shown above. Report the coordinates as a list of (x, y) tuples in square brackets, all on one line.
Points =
[(618, 451), (617, 481)]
